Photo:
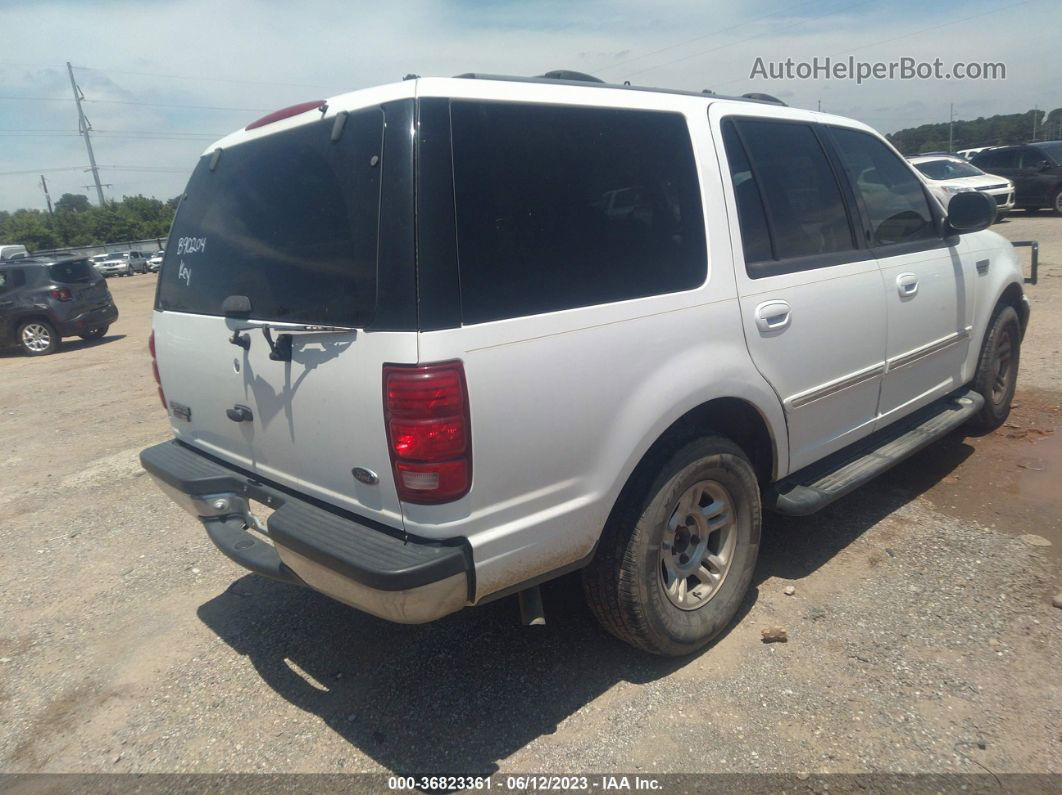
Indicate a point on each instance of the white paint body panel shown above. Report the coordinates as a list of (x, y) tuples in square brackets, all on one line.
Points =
[(565, 404)]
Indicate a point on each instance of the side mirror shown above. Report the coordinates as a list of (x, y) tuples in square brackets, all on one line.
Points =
[(1043, 165), (970, 212)]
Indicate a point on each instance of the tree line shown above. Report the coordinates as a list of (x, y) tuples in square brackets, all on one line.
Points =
[(999, 130), (75, 222)]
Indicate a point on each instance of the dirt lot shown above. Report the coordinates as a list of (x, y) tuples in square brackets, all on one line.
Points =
[(921, 633)]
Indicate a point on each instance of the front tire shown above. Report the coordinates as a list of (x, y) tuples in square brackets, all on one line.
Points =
[(676, 557), (1056, 202), (37, 338), (997, 369)]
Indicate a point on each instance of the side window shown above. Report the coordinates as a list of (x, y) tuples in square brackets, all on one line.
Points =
[(1007, 158), (1032, 158), (12, 278), (893, 196), (755, 235), (789, 201), (560, 207)]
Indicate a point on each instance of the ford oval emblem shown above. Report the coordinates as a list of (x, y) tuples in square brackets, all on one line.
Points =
[(363, 475)]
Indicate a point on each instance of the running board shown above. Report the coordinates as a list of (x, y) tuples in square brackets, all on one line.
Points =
[(819, 484)]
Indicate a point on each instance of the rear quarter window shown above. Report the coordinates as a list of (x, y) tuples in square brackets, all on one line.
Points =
[(560, 207)]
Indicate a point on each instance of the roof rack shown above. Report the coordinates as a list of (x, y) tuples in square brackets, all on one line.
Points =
[(568, 77)]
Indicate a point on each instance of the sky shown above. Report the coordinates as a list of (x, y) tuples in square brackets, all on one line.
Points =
[(162, 79)]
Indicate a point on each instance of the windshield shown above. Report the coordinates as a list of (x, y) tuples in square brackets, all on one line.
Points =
[(948, 169), (288, 220), (73, 272)]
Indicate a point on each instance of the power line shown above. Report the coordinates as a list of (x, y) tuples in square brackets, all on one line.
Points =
[(741, 41), (628, 60), (168, 105), (132, 102), (153, 169), (204, 78)]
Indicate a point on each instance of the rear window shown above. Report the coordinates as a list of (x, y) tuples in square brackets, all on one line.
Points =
[(561, 207), (288, 220), (76, 272)]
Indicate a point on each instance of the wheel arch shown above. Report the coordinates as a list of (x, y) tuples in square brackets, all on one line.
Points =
[(737, 419), (26, 317), (1012, 295)]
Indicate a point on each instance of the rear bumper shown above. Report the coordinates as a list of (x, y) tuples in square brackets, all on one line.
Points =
[(89, 319), (371, 567)]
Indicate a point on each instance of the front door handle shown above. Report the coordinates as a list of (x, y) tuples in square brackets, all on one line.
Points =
[(773, 316), (907, 285)]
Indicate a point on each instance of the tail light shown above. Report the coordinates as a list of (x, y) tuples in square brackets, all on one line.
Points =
[(61, 294), (285, 113), (428, 431), (155, 370)]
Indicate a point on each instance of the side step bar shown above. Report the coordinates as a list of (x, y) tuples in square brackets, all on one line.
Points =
[(816, 486)]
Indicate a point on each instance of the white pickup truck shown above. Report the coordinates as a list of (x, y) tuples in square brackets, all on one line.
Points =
[(460, 336)]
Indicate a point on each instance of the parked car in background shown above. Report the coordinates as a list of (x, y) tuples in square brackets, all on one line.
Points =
[(966, 154), (1035, 170), (615, 325), (949, 175), (98, 259), (43, 300), (155, 261), (124, 263), (12, 252)]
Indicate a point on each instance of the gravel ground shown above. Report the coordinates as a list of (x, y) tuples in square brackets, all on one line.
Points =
[(922, 637)]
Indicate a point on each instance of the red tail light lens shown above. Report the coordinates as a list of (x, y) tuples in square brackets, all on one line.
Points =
[(428, 431), (155, 370), (61, 294), (285, 113)]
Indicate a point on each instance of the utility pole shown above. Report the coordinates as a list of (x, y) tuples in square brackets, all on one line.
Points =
[(84, 127), (820, 105), (47, 198), (951, 127), (1036, 112)]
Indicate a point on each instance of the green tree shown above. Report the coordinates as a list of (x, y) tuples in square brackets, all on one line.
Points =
[(73, 202), (76, 222)]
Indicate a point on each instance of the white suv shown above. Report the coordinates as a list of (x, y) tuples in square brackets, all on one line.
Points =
[(461, 336)]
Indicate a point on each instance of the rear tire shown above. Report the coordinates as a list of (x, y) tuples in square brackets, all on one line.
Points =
[(997, 369), (1056, 202), (37, 338), (676, 557)]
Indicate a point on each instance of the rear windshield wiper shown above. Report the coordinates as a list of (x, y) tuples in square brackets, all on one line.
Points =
[(238, 308)]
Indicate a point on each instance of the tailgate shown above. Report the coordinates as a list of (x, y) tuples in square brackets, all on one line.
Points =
[(297, 225), (313, 419)]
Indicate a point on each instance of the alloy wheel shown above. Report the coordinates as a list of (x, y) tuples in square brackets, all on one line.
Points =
[(698, 546), (36, 337)]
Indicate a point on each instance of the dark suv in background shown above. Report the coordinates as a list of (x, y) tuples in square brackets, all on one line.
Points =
[(44, 300), (1035, 170)]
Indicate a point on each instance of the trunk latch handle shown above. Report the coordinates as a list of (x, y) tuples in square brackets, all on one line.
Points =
[(239, 413)]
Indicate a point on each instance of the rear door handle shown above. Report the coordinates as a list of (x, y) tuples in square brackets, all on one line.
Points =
[(773, 315), (907, 285)]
